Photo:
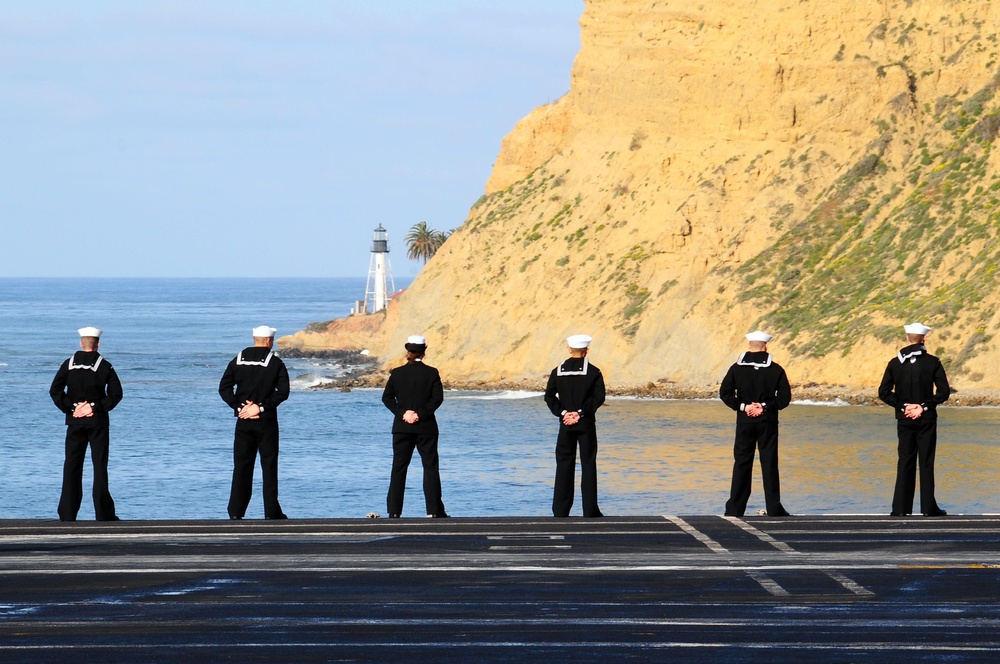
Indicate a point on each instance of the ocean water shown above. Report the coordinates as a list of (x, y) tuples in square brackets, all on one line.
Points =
[(171, 437)]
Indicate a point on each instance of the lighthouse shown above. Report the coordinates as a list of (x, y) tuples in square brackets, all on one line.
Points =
[(380, 285)]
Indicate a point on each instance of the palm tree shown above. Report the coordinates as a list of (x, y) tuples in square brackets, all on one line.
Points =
[(422, 242)]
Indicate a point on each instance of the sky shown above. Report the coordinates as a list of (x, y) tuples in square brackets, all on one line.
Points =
[(246, 138)]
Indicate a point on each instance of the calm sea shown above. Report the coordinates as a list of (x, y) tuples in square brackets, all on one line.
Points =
[(171, 446)]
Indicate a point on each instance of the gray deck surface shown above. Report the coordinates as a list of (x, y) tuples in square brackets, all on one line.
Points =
[(690, 588)]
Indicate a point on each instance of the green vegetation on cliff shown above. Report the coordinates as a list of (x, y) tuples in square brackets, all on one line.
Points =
[(914, 238)]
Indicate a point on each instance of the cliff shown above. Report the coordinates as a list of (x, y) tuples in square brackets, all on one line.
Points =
[(821, 170)]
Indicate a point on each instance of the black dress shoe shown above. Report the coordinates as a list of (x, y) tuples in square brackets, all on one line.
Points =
[(938, 512), (393, 516), (113, 518), (783, 512), (596, 515), (280, 516), (442, 515), (732, 514), (899, 514), (233, 517)]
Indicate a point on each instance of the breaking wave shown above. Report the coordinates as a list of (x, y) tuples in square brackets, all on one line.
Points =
[(505, 395)]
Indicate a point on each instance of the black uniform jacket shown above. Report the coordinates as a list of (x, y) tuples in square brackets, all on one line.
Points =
[(417, 387), (86, 377), (578, 385), (914, 376), (258, 375), (756, 378)]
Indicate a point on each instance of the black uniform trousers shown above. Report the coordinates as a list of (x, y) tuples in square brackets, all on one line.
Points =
[(764, 437), (77, 438), (253, 436), (426, 445), (562, 493), (917, 439)]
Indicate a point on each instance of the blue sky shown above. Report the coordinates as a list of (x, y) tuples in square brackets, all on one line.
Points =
[(244, 138)]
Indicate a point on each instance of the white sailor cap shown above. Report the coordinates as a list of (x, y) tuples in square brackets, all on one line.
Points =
[(759, 336), (579, 341), (916, 328), (90, 332), (416, 340), (263, 331)]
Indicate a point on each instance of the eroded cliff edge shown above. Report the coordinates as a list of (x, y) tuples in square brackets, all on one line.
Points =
[(820, 170)]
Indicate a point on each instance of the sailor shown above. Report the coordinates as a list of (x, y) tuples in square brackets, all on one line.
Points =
[(914, 383), (86, 388), (413, 393), (574, 393), (254, 384), (756, 388)]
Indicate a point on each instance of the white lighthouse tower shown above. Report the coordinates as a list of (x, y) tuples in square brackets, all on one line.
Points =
[(380, 285)]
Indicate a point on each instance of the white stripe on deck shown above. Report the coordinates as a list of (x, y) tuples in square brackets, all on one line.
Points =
[(766, 582), (528, 547), (697, 534), (840, 578), (853, 586), (527, 542), (819, 625), (769, 584), (762, 536), (991, 646), (225, 535), (244, 567)]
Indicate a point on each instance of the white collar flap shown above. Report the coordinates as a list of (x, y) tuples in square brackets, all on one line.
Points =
[(904, 358), (92, 367), (758, 365), (582, 372), (263, 363)]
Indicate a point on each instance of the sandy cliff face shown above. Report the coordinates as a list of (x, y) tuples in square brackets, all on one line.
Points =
[(822, 170)]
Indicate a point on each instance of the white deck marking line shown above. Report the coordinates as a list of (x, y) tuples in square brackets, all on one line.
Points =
[(762, 536), (766, 582), (493, 567), (819, 625), (527, 542), (619, 645), (853, 586), (769, 584), (840, 578), (528, 547), (697, 534), (857, 533), (235, 535)]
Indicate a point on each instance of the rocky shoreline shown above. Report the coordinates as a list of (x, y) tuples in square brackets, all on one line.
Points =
[(365, 374), (356, 365)]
